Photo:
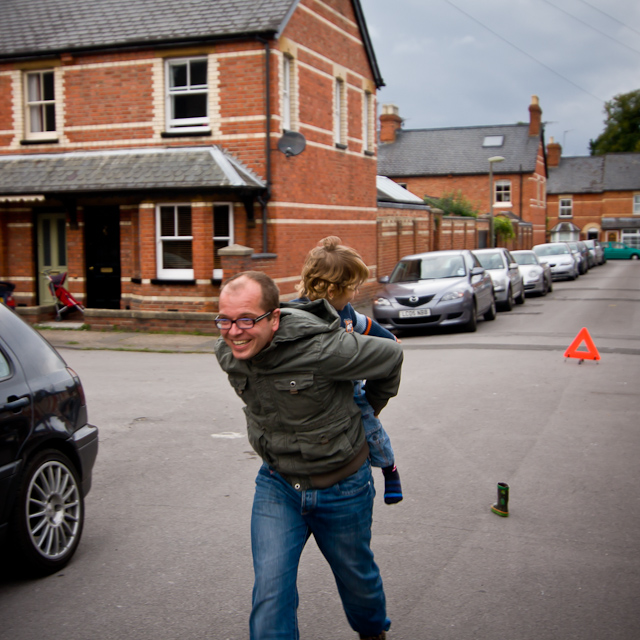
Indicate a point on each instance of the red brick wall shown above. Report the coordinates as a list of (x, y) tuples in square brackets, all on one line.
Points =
[(6, 107)]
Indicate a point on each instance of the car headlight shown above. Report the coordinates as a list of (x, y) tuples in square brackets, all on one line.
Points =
[(452, 295), (381, 302)]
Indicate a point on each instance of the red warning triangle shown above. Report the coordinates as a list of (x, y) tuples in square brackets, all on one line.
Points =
[(590, 354)]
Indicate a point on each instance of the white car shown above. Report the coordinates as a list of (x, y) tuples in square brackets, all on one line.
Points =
[(536, 274), (559, 257)]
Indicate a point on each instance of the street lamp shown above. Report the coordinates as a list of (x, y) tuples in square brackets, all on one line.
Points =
[(492, 161)]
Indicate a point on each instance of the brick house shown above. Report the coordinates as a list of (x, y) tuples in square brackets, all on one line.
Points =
[(593, 196), (152, 148), (434, 162)]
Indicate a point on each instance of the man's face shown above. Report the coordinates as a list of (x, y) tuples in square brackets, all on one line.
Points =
[(243, 299)]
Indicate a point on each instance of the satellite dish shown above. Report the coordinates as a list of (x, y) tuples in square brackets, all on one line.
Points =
[(292, 143)]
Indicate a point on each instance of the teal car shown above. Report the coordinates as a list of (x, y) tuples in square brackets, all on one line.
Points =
[(619, 251)]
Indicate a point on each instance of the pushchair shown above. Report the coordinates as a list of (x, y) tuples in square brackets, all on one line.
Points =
[(63, 299), (6, 294)]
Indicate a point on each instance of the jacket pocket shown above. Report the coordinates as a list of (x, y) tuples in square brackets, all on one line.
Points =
[(328, 443), (238, 382), (300, 401)]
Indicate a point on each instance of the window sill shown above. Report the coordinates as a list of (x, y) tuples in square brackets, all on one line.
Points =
[(174, 282), (185, 134), (369, 153), (339, 145), (40, 141)]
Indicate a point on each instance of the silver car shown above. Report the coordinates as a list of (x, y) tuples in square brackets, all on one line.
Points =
[(559, 257), (596, 250), (436, 289), (508, 284), (536, 274), (581, 254)]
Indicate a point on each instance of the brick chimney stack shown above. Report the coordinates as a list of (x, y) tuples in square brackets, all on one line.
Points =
[(554, 151), (390, 122), (535, 117)]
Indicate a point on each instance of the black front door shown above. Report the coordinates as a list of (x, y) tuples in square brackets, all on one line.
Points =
[(102, 247)]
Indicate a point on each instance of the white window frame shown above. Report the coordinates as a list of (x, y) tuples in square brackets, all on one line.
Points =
[(287, 69), (636, 204), (502, 192), (187, 125), (565, 207), (38, 104), (338, 111), (229, 239), (162, 272)]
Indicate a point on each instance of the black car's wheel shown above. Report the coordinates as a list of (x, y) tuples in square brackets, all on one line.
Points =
[(490, 313), (472, 324), (49, 514)]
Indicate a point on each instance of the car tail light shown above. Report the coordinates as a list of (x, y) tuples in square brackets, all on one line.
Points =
[(76, 379)]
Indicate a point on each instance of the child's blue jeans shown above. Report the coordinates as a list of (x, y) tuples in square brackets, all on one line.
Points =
[(377, 438)]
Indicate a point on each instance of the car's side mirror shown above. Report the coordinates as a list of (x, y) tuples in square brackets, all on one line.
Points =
[(384, 280), (513, 265), (477, 271)]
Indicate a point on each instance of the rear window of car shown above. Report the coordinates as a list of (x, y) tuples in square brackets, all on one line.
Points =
[(37, 357)]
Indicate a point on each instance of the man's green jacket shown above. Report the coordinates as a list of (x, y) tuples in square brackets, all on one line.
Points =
[(298, 391)]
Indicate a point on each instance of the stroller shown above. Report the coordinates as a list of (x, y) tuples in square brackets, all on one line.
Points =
[(6, 294), (64, 300)]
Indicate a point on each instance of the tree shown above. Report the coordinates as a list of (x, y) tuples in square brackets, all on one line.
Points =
[(503, 228), (453, 204), (622, 125)]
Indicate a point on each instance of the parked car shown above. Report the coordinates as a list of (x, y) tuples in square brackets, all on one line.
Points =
[(47, 450), (620, 251), (438, 288), (508, 284), (560, 258), (596, 251), (581, 253), (536, 274)]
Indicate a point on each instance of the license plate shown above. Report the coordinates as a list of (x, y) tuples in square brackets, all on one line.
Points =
[(414, 313)]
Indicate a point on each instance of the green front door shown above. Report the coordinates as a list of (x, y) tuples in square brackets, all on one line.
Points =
[(52, 251)]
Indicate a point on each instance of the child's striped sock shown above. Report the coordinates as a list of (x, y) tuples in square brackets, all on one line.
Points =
[(392, 486)]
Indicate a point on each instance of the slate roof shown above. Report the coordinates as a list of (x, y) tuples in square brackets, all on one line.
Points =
[(595, 174), (124, 170), (40, 26), (458, 151)]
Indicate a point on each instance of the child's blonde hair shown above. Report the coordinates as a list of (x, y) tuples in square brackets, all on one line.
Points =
[(330, 269)]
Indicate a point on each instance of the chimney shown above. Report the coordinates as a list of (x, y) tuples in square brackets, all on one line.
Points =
[(390, 122), (535, 117), (554, 151)]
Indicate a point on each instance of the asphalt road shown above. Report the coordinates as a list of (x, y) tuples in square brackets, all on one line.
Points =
[(165, 553)]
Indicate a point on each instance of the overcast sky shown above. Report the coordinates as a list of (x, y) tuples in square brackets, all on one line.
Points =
[(453, 63)]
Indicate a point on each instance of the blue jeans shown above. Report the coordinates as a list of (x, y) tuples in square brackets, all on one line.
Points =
[(339, 518), (380, 450)]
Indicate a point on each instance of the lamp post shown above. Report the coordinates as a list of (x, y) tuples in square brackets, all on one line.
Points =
[(492, 161)]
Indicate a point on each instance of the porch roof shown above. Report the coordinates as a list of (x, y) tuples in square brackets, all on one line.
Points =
[(125, 170)]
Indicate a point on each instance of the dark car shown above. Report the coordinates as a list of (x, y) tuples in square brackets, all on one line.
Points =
[(47, 450), (438, 288)]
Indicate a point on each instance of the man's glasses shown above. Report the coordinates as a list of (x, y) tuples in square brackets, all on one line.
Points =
[(224, 324)]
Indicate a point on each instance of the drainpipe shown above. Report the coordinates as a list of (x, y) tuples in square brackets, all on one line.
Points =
[(266, 196)]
